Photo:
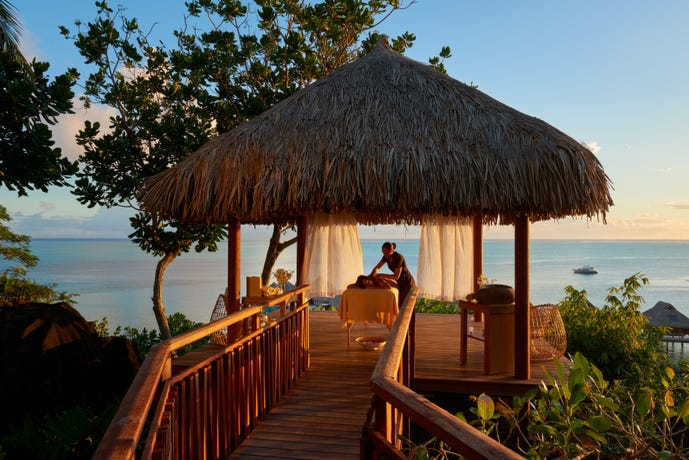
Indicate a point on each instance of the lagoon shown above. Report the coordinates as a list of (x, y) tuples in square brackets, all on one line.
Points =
[(114, 277)]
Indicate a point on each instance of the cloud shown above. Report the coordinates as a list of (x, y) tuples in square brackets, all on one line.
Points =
[(29, 45), (637, 227), (47, 205), (105, 223), (592, 146), (68, 125), (681, 206)]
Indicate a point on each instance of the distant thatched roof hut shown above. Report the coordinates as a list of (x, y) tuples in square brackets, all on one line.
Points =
[(665, 314)]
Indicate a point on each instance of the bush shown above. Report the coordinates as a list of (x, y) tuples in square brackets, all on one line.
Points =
[(435, 306), (15, 288), (617, 337), (145, 338), (642, 414), (72, 434), (582, 415)]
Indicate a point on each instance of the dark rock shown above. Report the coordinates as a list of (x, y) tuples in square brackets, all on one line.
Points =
[(51, 358), (121, 363)]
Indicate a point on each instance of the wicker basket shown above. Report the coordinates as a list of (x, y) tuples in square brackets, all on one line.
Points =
[(219, 312), (548, 335)]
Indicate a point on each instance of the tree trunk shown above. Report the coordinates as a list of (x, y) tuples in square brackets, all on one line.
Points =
[(158, 307), (275, 247)]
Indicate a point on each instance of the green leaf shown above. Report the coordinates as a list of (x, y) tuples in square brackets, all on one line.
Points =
[(594, 435), (548, 431), (670, 372), (599, 423), (683, 409), (486, 407), (644, 403)]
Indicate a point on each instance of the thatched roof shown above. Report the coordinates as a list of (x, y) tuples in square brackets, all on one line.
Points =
[(665, 314), (387, 139)]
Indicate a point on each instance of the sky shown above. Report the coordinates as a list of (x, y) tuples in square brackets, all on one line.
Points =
[(613, 74)]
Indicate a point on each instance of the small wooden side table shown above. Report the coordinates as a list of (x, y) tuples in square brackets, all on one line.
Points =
[(498, 336)]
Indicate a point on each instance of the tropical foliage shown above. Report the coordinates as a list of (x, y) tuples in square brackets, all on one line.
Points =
[(70, 435), (615, 337), (15, 258), (580, 415), (30, 103), (145, 338), (435, 306), (620, 397)]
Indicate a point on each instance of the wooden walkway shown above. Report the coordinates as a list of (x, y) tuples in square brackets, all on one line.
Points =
[(325, 413), (323, 416)]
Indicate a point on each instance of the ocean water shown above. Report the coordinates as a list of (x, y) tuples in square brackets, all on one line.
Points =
[(114, 278)]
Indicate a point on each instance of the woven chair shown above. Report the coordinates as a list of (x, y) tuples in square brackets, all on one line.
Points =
[(548, 335), (219, 312)]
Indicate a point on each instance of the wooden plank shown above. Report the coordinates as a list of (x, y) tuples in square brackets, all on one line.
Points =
[(324, 414)]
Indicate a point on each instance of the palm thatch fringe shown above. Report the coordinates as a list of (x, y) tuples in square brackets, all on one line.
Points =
[(387, 139)]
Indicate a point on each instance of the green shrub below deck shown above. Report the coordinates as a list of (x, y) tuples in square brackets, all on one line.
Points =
[(435, 306), (620, 399), (616, 337), (72, 434), (145, 338), (582, 415)]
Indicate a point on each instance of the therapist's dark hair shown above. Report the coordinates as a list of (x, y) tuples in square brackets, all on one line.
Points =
[(389, 245)]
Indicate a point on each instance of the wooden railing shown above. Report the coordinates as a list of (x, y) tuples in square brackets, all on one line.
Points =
[(395, 406), (208, 409)]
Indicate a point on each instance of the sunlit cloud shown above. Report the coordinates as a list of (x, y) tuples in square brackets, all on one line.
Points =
[(678, 205), (68, 125), (592, 146), (29, 45), (650, 226), (638, 227), (47, 205), (106, 223)]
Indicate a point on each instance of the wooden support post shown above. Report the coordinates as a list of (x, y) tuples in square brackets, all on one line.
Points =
[(301, 250), (477, 246), (232, 295), (234, 246), (522, 334)]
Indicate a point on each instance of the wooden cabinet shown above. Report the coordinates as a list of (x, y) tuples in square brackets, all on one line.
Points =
[(498, 336)]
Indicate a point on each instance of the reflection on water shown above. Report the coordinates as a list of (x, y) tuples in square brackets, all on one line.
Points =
[(677, 351)]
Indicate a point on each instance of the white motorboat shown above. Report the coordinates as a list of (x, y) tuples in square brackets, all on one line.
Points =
[(586, 270)]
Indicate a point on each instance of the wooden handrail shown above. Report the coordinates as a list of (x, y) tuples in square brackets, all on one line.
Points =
[(391, 394), (123, 433)]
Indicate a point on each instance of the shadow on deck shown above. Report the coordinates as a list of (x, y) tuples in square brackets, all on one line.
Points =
[(324, 414)]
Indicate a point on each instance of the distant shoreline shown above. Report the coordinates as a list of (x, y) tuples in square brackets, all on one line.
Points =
[(590, 240)]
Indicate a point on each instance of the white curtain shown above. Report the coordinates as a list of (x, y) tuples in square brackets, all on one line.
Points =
[(445, 270), (333, 254)]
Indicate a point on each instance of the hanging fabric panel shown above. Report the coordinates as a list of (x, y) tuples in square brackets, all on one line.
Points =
[(445, 270), (333, 254)]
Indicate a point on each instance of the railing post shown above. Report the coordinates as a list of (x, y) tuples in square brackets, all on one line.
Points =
[(382, 418), (167, 369), (411, 344)]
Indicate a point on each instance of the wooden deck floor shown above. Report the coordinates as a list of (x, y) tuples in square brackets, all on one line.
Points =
[(324, 414)]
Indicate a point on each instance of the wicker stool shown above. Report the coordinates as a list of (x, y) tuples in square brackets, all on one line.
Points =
[(219, 312), (548, 335)]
